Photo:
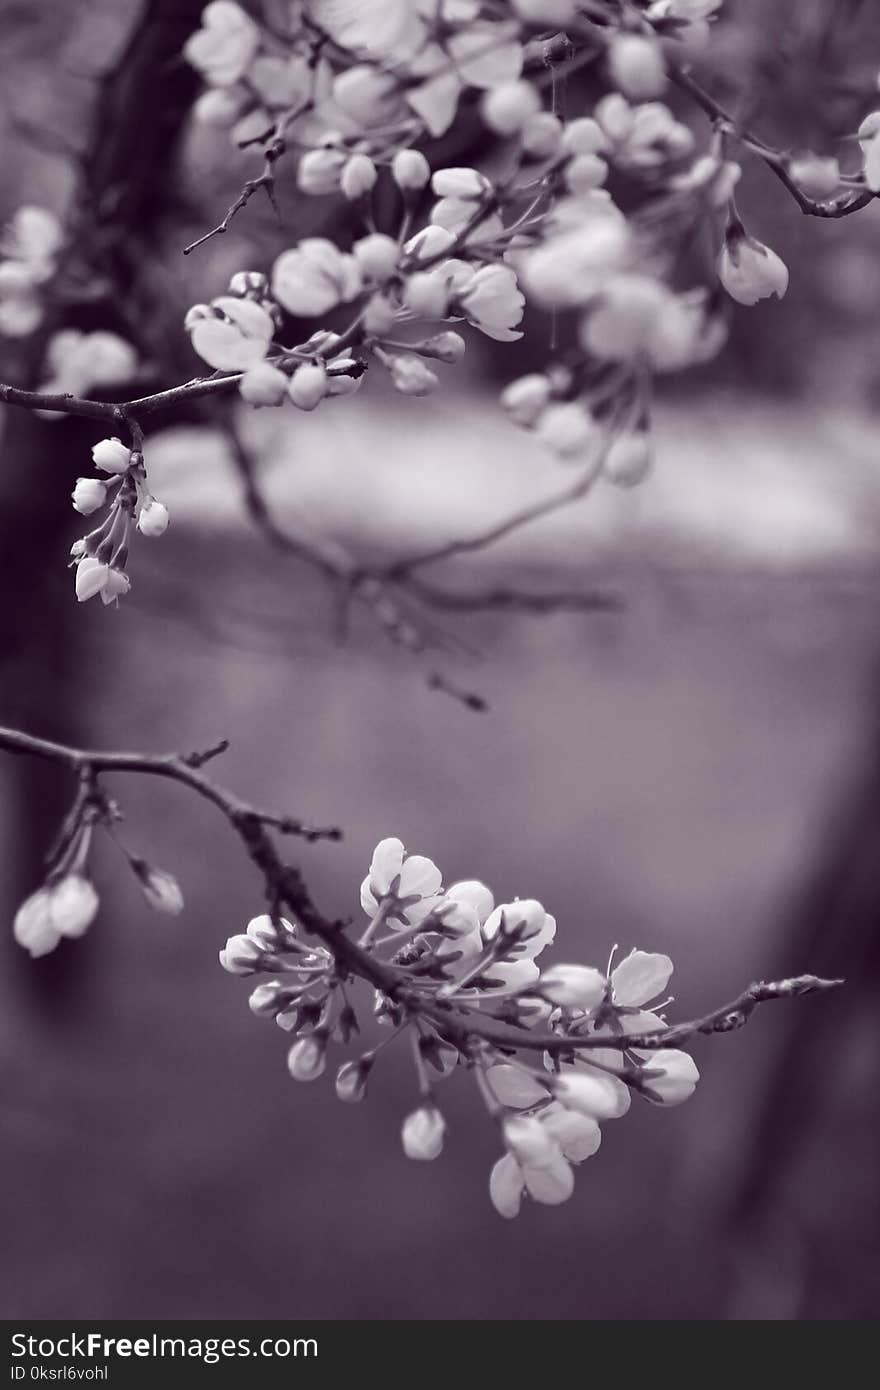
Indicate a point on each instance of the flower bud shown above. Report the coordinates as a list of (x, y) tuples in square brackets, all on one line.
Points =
[(153, 517), (475, 895), (447, 347), (575, 986), (410, 375), (541, 135), (591, 1092), (585, 172), (249, 282), (816, 175), (218, 106), (73, 904), (307, 1058), (351, 1080), (568, 429), (111, 455), (431, 241), (459, 183), (241, 956), (636, 66), (507, 107), (33, 927), (268, 999), (377, 257), (423, 1132), (308, 386), (320, 171), (89, 495), (263, 385), (265, 932), (674, 1078), (410, 170), (629, 459), (520, 920), (584, 136), (525, 398), (358, 177), (161, 889), (750, 271)]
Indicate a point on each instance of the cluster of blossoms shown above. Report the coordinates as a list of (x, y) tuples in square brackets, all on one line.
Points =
[(100, 556), (579, 215), (350, 88), (458, 974), (29, 249)]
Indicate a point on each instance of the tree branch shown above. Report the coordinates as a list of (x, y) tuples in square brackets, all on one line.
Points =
[(285, 888)]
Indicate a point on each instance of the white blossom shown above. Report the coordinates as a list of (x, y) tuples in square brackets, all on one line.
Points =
[(675, 1075), (225, 44), (525, 923), (314, 276), (94, 577), (236, 337), (63, 907), (377, 256), (319, 172), (577, 1135), (492, 301), (367, 95), (411, 881)]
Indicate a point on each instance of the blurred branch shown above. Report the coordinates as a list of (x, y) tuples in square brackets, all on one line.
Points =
[(775, 159)]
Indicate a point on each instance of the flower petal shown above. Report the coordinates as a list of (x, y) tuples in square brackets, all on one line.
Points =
[(640, 977)]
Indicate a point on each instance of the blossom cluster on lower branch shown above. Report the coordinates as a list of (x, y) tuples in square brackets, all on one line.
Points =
[(454, 964)]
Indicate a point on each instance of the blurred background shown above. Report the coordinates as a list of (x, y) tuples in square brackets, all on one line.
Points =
[(695, 771)]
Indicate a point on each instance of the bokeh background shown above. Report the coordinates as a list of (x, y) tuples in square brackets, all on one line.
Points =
[(696, 771)]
